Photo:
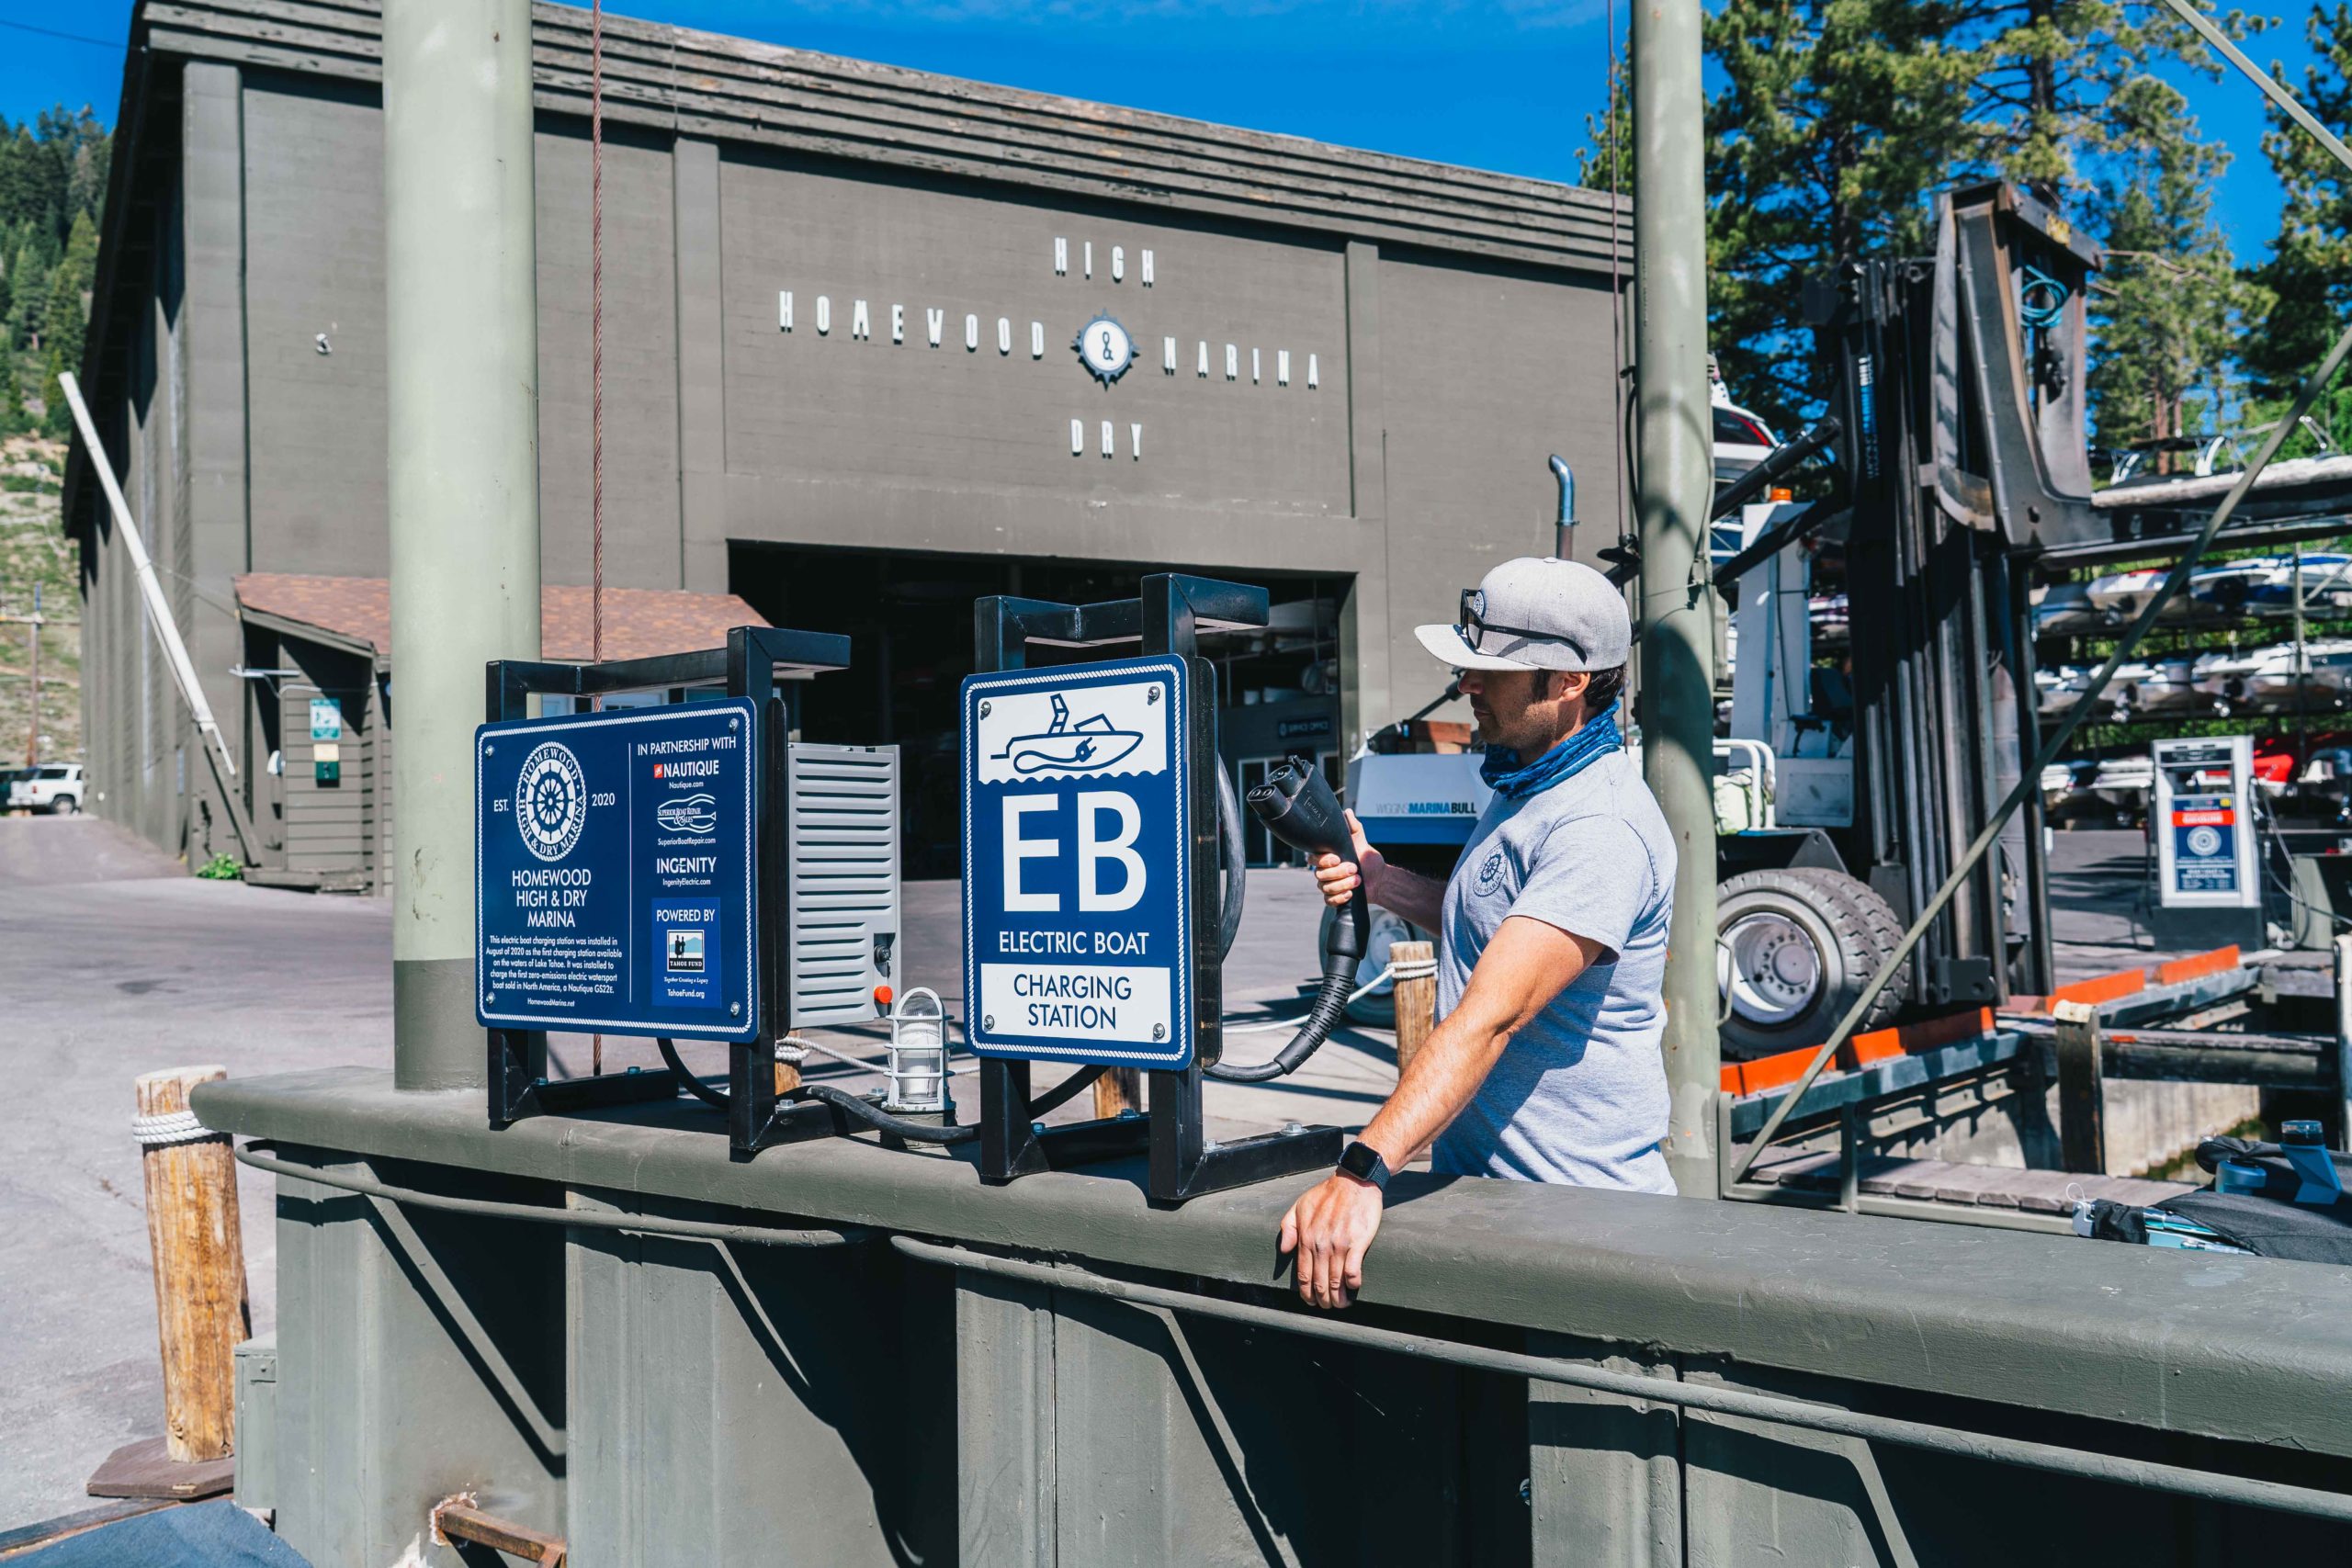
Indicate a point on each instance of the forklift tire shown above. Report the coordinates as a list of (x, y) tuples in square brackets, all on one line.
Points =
[(1887, 930), (1794, 951)]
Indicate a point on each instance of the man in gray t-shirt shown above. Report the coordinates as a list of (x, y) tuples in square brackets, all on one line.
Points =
[(1545, 1064), (1579, 1094)]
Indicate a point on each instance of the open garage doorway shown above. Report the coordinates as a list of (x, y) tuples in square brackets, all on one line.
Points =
[(908, 618)]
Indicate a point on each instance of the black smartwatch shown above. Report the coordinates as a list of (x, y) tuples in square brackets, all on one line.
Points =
[(1363, 1162)]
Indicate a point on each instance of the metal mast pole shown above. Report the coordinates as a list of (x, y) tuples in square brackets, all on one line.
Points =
[(1673, 485), (463, 386), (2302, 671)]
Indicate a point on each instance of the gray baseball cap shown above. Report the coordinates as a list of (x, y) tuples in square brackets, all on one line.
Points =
[(1532, 614)]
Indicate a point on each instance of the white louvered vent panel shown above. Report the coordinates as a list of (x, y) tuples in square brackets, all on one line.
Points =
[(842, 859)]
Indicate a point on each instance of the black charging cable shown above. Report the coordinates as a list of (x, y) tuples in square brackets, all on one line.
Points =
[(1299, 807), (872, 1115)]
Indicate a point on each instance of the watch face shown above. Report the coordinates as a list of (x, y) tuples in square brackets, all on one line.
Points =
[(1360, 1161), (1105, 349)]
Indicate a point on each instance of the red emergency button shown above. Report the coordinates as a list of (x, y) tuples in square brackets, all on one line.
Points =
[(882, 995)]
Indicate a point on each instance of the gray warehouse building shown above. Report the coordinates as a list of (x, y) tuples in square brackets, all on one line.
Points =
[(876, 341)]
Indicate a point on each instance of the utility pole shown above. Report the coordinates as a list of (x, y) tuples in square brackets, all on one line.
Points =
[(463, 383), (1674, 485), (32, 739)]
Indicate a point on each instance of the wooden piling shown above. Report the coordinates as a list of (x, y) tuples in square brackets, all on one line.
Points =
[(1415, 989), (201, 1309), (1118, 1089), (2082, 1089)]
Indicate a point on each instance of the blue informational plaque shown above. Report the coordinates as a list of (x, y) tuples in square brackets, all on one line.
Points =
[(614, 855), (1078, 912), (2205, 843)]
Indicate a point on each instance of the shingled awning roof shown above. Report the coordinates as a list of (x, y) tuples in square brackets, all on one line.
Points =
[(638, 622)]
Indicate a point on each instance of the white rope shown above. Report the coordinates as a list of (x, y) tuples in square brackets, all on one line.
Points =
[(1373, 984), (1418, 969), (172, 1127)]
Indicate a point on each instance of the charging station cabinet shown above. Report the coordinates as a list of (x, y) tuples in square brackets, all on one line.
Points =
[(2207, 856), (840, 819), (1145, 730), (633, 876), (2203, 822)]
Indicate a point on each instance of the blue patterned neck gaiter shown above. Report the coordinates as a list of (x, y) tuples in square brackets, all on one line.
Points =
[(1595, 739)]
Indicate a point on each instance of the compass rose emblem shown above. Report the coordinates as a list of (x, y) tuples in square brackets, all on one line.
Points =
[(1104, 348), (551, 801)]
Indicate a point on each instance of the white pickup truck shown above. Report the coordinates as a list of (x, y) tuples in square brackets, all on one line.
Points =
[(54, 787)]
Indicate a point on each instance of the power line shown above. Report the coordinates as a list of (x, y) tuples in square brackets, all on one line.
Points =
[(116, 45)]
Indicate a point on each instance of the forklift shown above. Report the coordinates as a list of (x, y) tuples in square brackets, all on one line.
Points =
[(1957, 471)]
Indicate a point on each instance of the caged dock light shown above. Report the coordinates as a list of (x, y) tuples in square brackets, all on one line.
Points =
[(917, 1064)]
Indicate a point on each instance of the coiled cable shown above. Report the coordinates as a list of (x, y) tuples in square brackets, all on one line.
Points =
[(2041, 300)]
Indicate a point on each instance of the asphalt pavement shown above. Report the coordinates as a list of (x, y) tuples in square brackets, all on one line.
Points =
[(113, 962)]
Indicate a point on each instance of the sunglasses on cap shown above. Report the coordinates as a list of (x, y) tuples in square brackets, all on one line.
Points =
[(1474, 625)]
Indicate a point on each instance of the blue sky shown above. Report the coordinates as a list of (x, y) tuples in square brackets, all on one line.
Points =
[(1494, 84)]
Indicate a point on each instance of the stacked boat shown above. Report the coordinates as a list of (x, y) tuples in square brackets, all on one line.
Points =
[(2261, 586), (2222, 684)]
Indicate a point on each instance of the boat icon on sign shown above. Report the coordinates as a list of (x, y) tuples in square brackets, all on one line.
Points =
[(1089, 745)]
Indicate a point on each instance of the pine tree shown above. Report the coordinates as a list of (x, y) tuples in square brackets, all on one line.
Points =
[(2165, 315), (57, 420), (70, 282), (2053, 96), (1835, 120), (1606, 159), (53, 191), (2309, 273), (31, 291)]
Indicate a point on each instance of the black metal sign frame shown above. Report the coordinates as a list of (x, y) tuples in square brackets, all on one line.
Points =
[(749, 665), (1168, 617)]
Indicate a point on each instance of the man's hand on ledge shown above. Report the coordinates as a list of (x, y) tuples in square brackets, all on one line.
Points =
[(1326, 1233)]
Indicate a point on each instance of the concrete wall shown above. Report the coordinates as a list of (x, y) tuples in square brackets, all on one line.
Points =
[(673, 1399), (1416, 459)]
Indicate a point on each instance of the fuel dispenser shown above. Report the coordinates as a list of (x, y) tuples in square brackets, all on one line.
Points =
[(636, 875)]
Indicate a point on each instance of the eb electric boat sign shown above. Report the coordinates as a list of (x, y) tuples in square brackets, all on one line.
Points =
[(1078, 912), (613, 865)]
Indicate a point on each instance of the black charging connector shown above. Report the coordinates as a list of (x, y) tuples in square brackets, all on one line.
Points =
[(1298, 806)]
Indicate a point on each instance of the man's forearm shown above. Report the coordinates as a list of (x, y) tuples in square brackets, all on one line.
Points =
[(1451, 1064), (1418, 898), (1525, 966)]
